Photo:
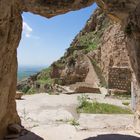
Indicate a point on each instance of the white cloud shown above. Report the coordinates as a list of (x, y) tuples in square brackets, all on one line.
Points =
[(27, 30)]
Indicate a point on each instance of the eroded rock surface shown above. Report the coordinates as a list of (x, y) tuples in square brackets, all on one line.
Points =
[(10, 33)]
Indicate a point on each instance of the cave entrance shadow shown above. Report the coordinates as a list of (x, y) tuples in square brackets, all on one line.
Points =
[(113, 137), (30, 136), (24, 135)]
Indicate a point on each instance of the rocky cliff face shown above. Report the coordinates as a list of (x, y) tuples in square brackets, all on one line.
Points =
[(10, 32), (101, 43)]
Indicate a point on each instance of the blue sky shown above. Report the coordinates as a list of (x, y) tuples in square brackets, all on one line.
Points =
[(45, 40)]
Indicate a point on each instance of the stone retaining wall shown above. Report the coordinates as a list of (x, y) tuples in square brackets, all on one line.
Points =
[(119, 78)]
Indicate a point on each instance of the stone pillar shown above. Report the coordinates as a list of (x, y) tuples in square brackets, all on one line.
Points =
[(132, 31), (10, 34), (136, 105), (135, 98), (133, 93)]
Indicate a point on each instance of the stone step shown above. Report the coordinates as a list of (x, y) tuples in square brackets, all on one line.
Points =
[(82, 87)]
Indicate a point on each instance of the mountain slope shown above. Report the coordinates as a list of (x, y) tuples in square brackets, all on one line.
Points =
[(99, 45)]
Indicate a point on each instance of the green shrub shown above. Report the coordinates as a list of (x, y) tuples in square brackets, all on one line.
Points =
[(126, 103), (73, 122), (91, 47), (122, 95), (58, 81), (82, 100), (44, 77), (99, 108), (71, 61), (25, 89), (60, 65), (31, 91), (48, 81)]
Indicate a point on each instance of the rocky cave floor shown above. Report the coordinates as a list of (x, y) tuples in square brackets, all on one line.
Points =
[(49, 117)]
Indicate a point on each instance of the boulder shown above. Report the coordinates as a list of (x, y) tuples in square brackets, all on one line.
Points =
[(18, 95)]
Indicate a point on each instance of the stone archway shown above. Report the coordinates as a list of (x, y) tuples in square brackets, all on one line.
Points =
[(125, 11)]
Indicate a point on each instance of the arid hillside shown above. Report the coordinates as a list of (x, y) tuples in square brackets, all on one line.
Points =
[(100, 46)]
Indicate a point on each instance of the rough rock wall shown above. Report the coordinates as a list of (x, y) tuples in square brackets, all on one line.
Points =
[(10, 32), (133, 46), (50, 8), (110, 41), (128, 13), (75, 69), (113, 49)]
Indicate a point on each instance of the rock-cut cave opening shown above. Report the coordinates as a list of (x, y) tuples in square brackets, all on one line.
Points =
[(124, 12)]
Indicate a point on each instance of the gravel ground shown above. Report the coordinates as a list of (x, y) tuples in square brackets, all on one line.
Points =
[(50, 117)]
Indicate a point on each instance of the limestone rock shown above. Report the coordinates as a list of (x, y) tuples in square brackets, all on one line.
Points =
[(10, 33), (18, 95)]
